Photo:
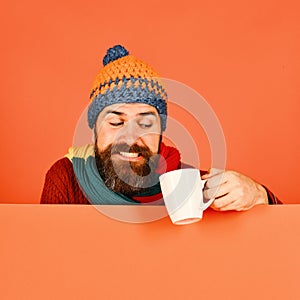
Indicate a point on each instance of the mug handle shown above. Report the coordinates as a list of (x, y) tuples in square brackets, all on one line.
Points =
[(208, 203)]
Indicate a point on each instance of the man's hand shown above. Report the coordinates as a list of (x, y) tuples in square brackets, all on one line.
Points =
[(233, 190)]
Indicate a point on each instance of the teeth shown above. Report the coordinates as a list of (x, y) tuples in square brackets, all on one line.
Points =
[(127, 154)]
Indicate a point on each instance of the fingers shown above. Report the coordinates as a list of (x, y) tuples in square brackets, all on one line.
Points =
[(235, 199), (227, 202), (215, 177), (212, 172), (232, 190), (216, 191), (216, 184), (225, 187)]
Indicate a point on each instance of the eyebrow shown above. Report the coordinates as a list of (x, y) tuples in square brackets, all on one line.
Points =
[(119, 113), (114, 112), (148, 113)]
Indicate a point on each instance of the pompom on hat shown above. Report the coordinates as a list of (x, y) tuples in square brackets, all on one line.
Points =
[(126, 79)]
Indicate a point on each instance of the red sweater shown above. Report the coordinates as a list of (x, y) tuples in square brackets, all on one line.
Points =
[(61, 186)]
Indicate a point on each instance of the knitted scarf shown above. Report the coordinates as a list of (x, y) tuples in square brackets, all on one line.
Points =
[(84, 164)]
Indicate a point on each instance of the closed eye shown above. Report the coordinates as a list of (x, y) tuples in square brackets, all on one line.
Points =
[(116, 124), (142, 125)]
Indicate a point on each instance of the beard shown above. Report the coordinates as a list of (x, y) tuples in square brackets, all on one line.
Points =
[(127, 177)]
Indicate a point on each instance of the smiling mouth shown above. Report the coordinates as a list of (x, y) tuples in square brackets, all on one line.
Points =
[(130, 154)]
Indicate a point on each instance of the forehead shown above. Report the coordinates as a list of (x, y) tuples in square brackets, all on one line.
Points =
[(129, 109)]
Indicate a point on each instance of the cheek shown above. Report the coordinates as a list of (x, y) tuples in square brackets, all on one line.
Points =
[(104, 138), (152, 141)]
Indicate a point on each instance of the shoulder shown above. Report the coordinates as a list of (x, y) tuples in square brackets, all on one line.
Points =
[(61, 172), (63, 163), (61, 167), (61, 186)]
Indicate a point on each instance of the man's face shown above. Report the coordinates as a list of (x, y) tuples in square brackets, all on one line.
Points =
[(130, 123), (128, 137)]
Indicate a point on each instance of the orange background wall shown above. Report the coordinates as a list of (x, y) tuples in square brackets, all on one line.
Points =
[(242, 56)]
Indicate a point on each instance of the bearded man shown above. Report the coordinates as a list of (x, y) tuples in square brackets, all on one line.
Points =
[(128, 113)]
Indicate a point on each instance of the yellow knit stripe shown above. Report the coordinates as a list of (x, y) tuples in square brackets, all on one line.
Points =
[(81, 152)]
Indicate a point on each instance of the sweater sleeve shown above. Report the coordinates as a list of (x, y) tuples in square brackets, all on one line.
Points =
[(272, 199)]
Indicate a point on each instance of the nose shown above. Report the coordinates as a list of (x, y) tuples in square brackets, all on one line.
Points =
[(129, 133)]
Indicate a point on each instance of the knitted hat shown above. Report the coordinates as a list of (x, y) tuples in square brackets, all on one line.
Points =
[(126, 79)]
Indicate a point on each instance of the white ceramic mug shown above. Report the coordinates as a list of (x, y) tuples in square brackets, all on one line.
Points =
[(183, 195)]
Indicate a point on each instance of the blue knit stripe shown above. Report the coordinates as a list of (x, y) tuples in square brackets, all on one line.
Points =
[(132, 94)]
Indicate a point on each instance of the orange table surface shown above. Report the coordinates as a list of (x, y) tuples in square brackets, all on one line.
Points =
[(75, 252)]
